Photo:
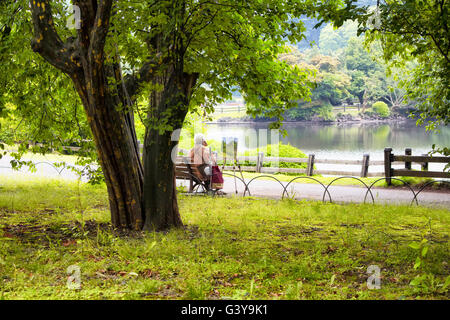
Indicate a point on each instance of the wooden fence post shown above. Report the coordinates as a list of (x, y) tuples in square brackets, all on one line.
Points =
[(259, 161), (388, 165), (365, 166), (408, 152), (310, 168), (424, 164)]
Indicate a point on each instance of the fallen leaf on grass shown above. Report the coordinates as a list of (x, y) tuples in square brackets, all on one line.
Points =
[(69, 243)]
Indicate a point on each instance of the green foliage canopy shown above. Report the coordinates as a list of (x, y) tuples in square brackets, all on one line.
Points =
[(414, 35), (228, 44)]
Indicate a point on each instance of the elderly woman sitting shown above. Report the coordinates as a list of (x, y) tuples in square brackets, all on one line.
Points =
[(202, 156)]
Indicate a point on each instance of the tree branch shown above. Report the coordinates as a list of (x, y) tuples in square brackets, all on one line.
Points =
[(99, 32), (88, 10), (47, 41), (145, 74)]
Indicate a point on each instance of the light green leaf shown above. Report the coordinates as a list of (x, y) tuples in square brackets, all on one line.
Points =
[(424, 251), (414, 245)]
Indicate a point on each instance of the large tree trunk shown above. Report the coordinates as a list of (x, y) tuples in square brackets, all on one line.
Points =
[(117, 148), (160, 195), (171, 105), (83, 60)]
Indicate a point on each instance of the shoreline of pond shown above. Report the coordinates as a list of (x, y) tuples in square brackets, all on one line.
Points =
[(319, 122)]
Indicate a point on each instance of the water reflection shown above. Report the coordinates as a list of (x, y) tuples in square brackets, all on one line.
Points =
[(367, 137), (342, 141)]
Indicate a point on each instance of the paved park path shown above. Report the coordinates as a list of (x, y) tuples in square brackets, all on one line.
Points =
[(273, 189), (314, 191)]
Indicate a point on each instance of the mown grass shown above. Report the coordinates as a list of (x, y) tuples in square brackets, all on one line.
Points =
[(48, 157), (238, 248)]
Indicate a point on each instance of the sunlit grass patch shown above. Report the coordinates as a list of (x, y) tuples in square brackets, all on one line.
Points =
[(238, 248)]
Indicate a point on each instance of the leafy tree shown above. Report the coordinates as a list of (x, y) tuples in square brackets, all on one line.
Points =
[(328, 82), (39, 103), (334, 40), (368, 75), (396, 95), (381, 109), (311, 33), (412, 33), (412, 30), (331, 87), (177, 55)]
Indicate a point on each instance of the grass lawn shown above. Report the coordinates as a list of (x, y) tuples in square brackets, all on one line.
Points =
[(49, 157), (231, 248)]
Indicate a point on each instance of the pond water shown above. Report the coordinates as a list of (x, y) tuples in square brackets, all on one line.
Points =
[(347, 141)]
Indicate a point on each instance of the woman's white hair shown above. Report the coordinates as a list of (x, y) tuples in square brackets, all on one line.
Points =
[(199, 138)]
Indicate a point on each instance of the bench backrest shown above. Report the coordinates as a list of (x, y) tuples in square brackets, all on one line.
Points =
[(185, 169)]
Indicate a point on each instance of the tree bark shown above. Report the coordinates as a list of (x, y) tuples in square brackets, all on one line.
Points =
[(111, 122), (117, 149), (82, 59), (160, 195), (134, 204), (171, 105)]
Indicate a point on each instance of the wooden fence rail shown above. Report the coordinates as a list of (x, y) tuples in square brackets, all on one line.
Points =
[(408, 159), (309, 170), (228, 109), (390, 159)]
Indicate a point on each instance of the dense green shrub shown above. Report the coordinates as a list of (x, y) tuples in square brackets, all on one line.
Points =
[(368, 112), (284, 150), (309, 110), (381, 109), (326, 112), (300, 113)]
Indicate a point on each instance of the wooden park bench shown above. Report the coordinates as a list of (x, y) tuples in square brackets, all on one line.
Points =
[(186, 170)]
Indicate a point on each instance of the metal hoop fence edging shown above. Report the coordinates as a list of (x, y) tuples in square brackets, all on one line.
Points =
[(310, 178), (392, 178), (426, 185), (349, 177), (264, 176), (35, 164), (245, 184), (50, 164), (285, 191)]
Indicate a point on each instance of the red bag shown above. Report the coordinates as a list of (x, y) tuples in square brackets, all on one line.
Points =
[(217, 178)]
